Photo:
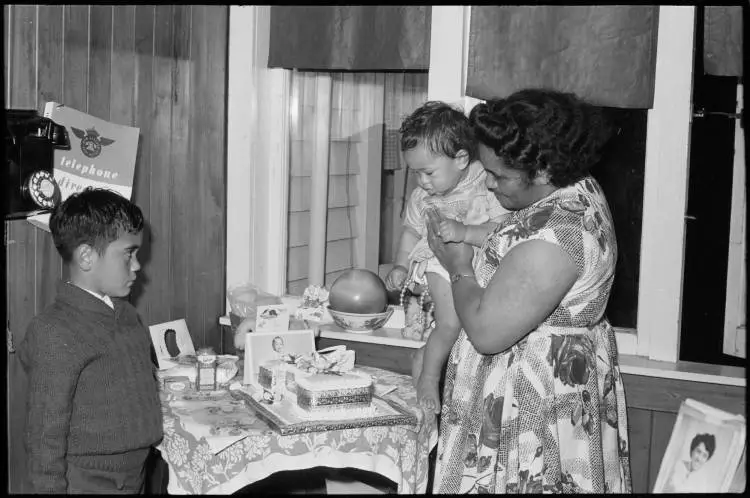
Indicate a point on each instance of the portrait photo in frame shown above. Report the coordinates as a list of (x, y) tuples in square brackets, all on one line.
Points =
[(704, 451), (171, 337), (261, 347)]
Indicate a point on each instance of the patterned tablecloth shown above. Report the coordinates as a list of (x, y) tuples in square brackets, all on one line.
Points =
[(216, 444)]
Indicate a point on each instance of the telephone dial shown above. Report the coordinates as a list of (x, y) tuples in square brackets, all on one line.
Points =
[(30, 142)]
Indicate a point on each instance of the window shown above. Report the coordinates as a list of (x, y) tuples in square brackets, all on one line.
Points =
[(357, 116)]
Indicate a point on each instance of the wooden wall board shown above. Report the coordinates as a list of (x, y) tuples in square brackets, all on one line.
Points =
[(639, 425), (662, 424), (100, 60), (185, 190), (665, 395)]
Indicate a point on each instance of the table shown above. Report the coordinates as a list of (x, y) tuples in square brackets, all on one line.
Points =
[(215, 444)]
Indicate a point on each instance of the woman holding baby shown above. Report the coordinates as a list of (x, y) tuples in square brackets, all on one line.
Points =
[(533, 398)]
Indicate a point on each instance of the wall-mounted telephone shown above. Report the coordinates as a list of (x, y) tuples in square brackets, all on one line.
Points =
[(30, 141)]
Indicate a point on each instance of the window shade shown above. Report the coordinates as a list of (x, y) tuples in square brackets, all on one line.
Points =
[(355, 38), (605, 54), (722, 41)]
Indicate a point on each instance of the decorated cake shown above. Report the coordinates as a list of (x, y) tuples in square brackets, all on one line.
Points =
[(325, 383), (327, 395)]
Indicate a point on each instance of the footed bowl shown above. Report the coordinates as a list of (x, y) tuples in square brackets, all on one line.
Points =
[(360, 322)]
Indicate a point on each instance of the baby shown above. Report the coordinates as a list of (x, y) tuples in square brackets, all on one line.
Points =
[(439, 148)]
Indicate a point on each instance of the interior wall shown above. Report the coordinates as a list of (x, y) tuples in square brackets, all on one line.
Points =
[(162, 69)]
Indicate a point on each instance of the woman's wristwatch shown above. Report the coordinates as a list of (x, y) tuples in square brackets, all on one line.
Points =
[(455, 277)]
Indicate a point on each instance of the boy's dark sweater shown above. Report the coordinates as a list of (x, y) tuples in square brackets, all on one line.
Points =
[(93, 396)]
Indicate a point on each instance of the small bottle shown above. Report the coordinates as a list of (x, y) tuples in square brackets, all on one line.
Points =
[(205, 378)]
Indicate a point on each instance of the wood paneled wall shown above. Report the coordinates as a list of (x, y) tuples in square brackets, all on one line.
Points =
[(162, 69)]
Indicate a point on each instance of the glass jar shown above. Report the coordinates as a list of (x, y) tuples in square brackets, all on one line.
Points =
[(205, 378)]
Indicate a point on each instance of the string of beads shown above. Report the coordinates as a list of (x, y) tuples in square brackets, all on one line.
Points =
[(405, 288)]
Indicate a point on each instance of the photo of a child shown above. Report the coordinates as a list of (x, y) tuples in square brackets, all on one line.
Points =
[(277, 344), (261, 347)]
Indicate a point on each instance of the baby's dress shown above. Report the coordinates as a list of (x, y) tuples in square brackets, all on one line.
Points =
[(470, 203)]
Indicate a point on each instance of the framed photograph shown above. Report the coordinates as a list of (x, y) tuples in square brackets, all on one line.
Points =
[(261, 347), (704, 451), (272, 318), (171, 339)]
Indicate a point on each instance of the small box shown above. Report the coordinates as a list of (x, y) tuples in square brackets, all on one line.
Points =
[(177, 384)]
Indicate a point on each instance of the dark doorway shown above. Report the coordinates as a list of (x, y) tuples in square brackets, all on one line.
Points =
[(708, 214)]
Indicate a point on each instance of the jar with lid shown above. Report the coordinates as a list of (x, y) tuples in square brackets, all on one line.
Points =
[(205, 378)]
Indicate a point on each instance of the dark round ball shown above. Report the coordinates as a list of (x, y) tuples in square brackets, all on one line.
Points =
[(358, 291)]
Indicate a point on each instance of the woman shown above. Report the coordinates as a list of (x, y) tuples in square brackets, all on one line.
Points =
[(686, 477), (533, 399)]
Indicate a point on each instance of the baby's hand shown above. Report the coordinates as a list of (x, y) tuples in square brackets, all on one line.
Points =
[(395, 278), (428, 393), (452, 231)]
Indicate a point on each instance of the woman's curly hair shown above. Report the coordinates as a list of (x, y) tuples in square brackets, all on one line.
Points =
[(537, 130)]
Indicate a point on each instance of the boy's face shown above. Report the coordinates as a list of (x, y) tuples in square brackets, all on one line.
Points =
[(114, 271), (436, 174)]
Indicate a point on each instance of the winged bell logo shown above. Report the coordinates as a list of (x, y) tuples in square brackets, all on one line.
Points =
[(91, 141)]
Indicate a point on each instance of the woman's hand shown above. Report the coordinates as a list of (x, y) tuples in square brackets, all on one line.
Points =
[(454, 256)]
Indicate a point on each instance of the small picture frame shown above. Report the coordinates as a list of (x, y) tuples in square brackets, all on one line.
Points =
[(180, 337), (704, 452), (272, 318), (261, 347)]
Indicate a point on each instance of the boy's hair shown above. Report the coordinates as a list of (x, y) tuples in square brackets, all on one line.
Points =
[(96, 217), (441, 128)]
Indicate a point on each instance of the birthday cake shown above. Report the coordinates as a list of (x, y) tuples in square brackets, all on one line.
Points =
[(322, 384), (327, 395)]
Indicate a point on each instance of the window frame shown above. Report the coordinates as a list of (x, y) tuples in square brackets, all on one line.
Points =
[(256, 243)]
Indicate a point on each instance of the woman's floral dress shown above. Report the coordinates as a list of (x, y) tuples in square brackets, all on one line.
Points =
[(547, 415)]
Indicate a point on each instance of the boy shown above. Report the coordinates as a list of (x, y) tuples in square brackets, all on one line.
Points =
[(439, 147), (93, 406)]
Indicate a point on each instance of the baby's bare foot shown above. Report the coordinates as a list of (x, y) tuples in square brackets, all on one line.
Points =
[(428, 393)]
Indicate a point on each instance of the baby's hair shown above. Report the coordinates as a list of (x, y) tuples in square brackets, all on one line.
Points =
[(442, 129), (708, 440), (96, 217)]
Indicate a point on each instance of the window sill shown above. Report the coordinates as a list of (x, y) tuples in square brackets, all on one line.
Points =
[(683, 370), (629, 364)]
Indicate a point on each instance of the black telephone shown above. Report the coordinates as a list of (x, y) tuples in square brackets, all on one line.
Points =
[(30, 141)]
